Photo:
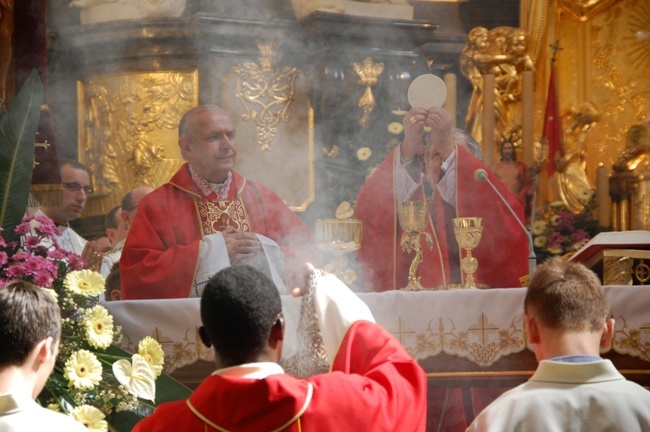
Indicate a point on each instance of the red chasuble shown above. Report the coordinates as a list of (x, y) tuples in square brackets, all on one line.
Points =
[(382, 263), (160, 256), (375, 385), (502, 253)]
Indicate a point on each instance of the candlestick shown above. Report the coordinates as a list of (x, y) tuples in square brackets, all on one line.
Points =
[(488, 119), (602, 196), (527, 133), (450, 103)]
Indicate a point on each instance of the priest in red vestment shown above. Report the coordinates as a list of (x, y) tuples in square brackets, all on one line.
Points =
[(449, 169), (374, 384), (208, 217)]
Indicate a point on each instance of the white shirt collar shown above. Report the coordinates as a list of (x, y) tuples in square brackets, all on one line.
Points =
[(259, 370)]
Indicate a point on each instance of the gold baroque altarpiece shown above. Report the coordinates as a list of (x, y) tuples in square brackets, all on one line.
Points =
[(128, 126), (269, 105)]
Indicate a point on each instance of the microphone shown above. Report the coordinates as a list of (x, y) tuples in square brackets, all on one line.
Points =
[(480, 175)]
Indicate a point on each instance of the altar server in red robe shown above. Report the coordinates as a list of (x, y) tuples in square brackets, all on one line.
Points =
[(374, 384), (449, 169), (208, 217)]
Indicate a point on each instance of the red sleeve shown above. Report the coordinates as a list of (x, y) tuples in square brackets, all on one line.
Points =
[(502, 253), (162, 248), (271, 217), (376, 210), (373, 374)]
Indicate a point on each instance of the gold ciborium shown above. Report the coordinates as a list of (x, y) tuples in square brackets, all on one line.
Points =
[(468, 232), (338, 236), (413, 220)]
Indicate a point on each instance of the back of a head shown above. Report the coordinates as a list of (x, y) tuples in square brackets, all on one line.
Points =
[(467, 141), (239, 306), (112, 219), (567, 295), (28, 315)]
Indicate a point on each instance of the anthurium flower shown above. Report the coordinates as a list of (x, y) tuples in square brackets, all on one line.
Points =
[(137, 377)]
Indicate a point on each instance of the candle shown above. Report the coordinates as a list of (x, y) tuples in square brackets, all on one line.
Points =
[(450, 102), (488, 119), (602, 197), (527, 133)]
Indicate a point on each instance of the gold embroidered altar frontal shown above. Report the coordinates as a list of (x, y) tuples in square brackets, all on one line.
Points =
[(473, 331)]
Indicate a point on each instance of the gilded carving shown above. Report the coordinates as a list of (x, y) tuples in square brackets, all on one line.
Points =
[(219, 215), (630, 341), (368, 71), (127, 133), (266, 92)]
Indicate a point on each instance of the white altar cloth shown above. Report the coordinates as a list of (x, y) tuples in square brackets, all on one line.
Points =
[(481, 326)]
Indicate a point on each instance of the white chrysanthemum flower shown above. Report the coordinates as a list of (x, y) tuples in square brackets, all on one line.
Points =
[(540, 241), (539, 227), (555, 220), (99, 327), (138, 378), (54, 407), (585, 194), (83, 370), (90, 417), (364, 153), (395, 128), (152, 352), (84, 282)]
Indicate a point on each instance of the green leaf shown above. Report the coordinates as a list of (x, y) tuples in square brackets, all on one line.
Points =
[(17, 136)]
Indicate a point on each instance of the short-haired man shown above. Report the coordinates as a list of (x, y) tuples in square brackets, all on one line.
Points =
[(374, 384), (573, 389), (113, 284), (30, 331), (75, 183), (208, 217)]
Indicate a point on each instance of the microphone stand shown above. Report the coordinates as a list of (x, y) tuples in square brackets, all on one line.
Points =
[(532, 259)]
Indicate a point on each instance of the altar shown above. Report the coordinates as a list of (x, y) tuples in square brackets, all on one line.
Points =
[(472, 344)]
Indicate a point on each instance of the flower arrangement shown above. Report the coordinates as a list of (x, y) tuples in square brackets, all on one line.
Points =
[(92, 379), (558, 231)]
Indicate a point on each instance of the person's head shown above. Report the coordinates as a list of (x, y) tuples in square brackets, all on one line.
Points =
[(130, 203), (113, 284), (517, 43), (30, 329), (242, 318), (565, 301), (507, 151), (114, 225), (464, 139), (478, 37), (206, 136), (75, 182)]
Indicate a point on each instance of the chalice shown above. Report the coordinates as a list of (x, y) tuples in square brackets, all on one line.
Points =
[(412, 217), (338, 236), (468, 232)]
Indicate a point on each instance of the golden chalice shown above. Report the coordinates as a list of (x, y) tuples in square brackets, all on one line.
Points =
[(413, 220), (468, 232), (338, 236)]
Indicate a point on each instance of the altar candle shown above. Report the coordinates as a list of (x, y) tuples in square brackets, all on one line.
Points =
[(527, 133), (488, 119), (450, 102), (602, 196)]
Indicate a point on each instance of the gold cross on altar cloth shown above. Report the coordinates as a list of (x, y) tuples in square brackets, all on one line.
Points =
[(401, 332), (483, 327)]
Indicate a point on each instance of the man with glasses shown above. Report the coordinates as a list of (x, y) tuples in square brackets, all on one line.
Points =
[(75, 190)]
